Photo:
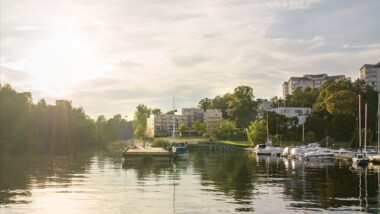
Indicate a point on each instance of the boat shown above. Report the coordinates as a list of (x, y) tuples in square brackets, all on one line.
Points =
[(264, 149), (319, 155), (361, 157), (179, 153)]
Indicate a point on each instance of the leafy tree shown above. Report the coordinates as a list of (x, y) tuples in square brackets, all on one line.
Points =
[(257, 132), (221, 102), (199, 127), (227, 127), (156, 111), (142, 113), (301, 98), (140, 132), (242, 107), (182, 128), (276, 102), (342, 103), (205, 104)]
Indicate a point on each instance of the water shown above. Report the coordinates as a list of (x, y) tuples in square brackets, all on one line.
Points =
[(229, 182)]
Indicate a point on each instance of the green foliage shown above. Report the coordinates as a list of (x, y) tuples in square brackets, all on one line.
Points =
[(156, 111), (276, 102), (301, 98), (257, 132), (182, 128), (342, 103), (140, 131), (227, 127), (242, 107), (61, 127), (199, 127), (205, 104), (160, 143), (141, 114)]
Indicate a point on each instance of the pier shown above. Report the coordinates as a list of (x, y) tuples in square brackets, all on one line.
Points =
[(147, 153)]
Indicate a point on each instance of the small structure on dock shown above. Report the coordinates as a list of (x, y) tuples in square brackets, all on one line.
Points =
[(147, 153)]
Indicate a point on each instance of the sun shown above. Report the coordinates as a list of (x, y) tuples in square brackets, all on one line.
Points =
[(59, 62)]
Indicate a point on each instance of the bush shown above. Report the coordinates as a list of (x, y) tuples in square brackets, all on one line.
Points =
[(160, 143)]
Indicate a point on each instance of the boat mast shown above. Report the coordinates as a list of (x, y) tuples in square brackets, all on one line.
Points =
[(378, 123), (365, 129), (360, 127), (303, 126), (267, 126), (173, 121)]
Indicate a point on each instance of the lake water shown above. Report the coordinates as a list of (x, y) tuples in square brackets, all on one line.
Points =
[(221, 182)]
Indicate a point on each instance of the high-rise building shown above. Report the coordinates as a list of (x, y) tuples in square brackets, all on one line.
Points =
[(371, 75), (307, 81)]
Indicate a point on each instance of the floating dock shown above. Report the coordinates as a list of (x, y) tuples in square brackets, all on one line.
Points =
[(147, 153)]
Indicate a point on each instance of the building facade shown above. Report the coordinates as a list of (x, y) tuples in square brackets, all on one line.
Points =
[(213, 118), (162, 125), (371, 75), (307, 81)]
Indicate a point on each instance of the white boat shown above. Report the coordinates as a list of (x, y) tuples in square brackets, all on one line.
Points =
[(263, 149), (343, 153), (319, 155)]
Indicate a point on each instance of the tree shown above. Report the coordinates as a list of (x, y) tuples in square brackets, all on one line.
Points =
[(199, 127), (142, 113), (221, 102), (140, 132), (257, 132), (205, 104), (242, 108), (227, 127), (156, 111), (276, 102), (182, 128), (342, 103)]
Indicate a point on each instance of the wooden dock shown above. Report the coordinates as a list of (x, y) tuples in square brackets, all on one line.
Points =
[(147, 153)]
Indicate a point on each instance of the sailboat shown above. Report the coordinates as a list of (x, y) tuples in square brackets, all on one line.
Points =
[(375, 158), (179, 152), (266, 149), (361, 157)]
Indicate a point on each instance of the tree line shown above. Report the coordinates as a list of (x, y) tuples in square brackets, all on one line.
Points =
[(60, 128), (334, 105)]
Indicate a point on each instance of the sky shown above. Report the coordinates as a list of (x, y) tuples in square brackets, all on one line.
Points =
[(110, 56)]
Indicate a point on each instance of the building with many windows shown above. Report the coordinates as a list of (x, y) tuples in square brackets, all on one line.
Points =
[(213, 118), (300, 112), (307, 81), (162, 125), (371, 75)]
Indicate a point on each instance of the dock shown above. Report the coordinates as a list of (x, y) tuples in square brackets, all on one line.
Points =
[(147, 153)]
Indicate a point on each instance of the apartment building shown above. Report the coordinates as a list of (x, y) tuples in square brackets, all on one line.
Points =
[(213, 118), (312, 81), (371, 75), (161, 125)]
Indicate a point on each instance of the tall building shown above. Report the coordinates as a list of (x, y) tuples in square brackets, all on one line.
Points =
[(371, 75), (213, 118), (311, 81)]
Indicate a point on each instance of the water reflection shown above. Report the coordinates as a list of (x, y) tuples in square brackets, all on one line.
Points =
[(208, 182)]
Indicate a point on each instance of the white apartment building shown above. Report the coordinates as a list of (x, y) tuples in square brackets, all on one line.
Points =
[(311, 81), (371, 75), (162, 125), (213, 118), (300, 112)]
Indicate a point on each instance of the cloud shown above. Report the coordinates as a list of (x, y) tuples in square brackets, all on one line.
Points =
[(13, 75)]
